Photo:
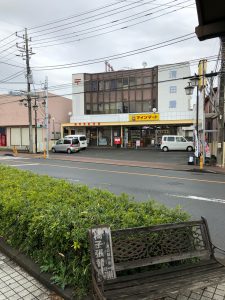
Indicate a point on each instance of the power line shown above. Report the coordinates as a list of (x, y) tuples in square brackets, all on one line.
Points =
[(11, 77), (111, 23), (110, 31), (90, 20), (7, 37), (2, 62), (7, 49), (121, 55)]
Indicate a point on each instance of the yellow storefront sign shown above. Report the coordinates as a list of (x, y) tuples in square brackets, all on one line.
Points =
[(144, 117)]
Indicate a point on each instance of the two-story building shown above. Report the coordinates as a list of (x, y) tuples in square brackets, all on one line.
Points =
[(14, 123)]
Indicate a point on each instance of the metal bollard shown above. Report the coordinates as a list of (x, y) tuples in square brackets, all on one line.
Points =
[(44, 155), (15, 151), (201, 162)]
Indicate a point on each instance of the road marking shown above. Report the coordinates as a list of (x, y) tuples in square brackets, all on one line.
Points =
[(23, 165), (12, 158), (75, 180), (198, 198), (137, 174)]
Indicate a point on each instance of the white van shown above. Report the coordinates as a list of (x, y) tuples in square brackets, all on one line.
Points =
[(175, 142), (82, 140)]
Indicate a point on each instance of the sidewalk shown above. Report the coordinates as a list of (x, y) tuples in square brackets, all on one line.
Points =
[(15, 283)]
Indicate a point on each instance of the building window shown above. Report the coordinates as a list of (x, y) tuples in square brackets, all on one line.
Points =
[(132, 82), (145, 106), (147, 82), (107, 85), (119, 83), (173, 89), (94, 85), (147, 94), (173, 74), (125, 107), (94, 97), (95, 108), (100, 108), (173, 104), (106, 108), (88, 109), (132, 107), (112, 96), (138, 107), (138, 82), (132, 95), (87, 86), (101, 85), (113, 84), (112, 108), (138, 95), (125, 83)]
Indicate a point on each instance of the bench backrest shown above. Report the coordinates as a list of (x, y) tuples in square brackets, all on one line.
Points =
[(144, 246)]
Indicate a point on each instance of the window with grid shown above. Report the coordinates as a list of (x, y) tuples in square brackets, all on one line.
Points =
[(173, 89), (173, 74), (172, 104)]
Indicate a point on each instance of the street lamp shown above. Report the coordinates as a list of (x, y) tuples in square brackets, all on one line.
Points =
[(194, 82)]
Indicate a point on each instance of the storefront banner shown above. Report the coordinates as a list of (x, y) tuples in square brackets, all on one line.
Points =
[(196, 143), (144, 117)]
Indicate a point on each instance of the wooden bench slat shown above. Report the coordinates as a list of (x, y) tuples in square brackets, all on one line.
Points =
[(170, 285), (163, 273)]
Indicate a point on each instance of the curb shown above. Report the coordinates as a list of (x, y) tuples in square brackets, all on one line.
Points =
[(127, 163), (34, 270)]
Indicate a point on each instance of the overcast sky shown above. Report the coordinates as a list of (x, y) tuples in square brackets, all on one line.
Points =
[(65, 32)]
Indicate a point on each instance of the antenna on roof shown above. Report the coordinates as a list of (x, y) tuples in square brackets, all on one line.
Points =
[(144, 64)]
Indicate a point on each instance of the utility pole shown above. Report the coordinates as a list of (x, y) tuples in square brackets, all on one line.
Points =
[(25, 51), (28, 94), (220, 145), (46, 116)]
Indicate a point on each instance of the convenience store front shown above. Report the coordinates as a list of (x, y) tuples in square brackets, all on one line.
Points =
[(140, 130)]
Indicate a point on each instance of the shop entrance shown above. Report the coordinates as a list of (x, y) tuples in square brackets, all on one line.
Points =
[(144, 136)]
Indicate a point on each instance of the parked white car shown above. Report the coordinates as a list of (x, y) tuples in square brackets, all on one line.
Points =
[(81, 138), (68, 145), (175, 142)]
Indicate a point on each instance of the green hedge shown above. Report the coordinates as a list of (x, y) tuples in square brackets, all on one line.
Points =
[(48, 219)]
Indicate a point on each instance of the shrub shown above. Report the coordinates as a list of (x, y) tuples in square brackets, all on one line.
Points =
[(48, 219)]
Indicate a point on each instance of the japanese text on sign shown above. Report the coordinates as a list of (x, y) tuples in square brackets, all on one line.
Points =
[(101, 239), (144, 117)]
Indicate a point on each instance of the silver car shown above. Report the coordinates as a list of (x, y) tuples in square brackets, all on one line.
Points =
[(68, 145)]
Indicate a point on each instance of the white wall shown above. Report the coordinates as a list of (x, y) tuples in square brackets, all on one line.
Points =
[(78, 94), (164, 94)]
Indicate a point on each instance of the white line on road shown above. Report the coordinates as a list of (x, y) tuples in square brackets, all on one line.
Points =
[(23, 165), (198, 198), (74, 180), (12, 157)]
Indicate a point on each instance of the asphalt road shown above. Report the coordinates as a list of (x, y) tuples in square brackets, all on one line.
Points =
[(200, 194)]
